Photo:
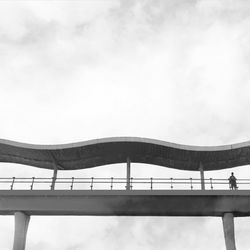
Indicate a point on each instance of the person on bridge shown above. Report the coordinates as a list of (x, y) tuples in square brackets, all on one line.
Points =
[(232, 182)]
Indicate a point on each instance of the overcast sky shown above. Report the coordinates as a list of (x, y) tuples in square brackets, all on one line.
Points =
[(171, 70)]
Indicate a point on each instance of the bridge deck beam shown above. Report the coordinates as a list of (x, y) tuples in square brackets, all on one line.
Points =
[(126, 202)]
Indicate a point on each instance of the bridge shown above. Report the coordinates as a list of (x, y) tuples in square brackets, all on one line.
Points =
[(25, 197)]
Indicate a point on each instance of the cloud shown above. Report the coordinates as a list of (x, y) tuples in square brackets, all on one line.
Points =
[(170, 70)]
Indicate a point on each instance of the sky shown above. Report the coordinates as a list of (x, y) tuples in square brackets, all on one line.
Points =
[(72, 71)]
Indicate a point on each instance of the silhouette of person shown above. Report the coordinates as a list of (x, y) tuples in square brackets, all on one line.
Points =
[(232, 182)]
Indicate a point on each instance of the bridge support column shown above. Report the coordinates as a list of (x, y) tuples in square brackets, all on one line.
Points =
[(128, 186), (228, 227), (202, 176), (21, 227)]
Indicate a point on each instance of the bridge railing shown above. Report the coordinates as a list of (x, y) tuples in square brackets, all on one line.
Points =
[(114, 183)]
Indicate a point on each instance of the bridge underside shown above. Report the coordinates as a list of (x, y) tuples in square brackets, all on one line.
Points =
[(126, 203)]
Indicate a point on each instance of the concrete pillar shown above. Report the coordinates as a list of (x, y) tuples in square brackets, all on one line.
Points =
[(21, 227), (128, 174), (202, 176), (54, 178), (228, 227)]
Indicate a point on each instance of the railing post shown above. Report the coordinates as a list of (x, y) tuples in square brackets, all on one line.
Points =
[(32, 183), (202, 176), (151, 183), (211, 183), (111, 185), (131, 183), (191, 183), (128, 173), (72, 182), (54, 178), (12, 184), (92, 183)]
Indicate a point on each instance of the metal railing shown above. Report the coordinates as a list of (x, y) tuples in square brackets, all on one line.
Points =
[(95, 183)]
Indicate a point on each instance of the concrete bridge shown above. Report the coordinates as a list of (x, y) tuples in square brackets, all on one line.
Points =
[(193, 202)]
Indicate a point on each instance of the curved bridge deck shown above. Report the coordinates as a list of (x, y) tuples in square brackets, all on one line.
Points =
[(105, 151)]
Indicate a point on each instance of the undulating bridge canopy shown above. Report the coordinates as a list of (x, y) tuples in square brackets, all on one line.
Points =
[(105, 151)]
